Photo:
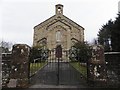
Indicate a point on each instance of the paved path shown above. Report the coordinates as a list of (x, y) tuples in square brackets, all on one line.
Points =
[(47, 77)]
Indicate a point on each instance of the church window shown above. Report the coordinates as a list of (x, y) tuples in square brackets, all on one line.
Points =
[(58, 36)]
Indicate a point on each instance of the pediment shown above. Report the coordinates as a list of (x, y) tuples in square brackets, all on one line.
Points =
[(58, 19), (58, 24)]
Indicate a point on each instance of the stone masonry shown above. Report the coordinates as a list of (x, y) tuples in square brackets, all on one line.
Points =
[(56, 30)]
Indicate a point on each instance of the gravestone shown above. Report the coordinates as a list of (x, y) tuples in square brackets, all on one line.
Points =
[(19, 65), (97, 67)]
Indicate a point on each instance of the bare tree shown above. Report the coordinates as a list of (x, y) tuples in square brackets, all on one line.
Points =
[(94, 41), (5, 46)]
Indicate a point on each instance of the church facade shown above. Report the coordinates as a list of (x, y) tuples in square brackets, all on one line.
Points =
[(58, 30)]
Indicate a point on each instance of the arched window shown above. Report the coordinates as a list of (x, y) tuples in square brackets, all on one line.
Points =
[(58, 36), (59, 10)]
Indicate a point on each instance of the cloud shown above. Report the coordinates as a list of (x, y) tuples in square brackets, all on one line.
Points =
[(20, 16)]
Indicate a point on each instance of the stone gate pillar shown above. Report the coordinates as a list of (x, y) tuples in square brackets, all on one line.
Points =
[(96, 66), (19, 66)]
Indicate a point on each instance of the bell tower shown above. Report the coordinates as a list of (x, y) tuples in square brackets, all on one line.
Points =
[(59, 9)]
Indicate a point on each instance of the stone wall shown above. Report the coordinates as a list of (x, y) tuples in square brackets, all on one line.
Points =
[(113, 68), (6, 68)]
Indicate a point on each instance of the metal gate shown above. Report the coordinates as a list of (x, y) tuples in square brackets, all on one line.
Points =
[(57, 70)]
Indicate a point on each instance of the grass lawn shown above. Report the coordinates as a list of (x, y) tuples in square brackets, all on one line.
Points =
[(80, 68), (34, 67)]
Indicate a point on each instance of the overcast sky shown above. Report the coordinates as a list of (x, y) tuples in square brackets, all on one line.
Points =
[(18, 17)]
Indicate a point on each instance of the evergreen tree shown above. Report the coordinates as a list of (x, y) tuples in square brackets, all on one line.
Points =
[(115, 34), (83, 51), (109, 35)]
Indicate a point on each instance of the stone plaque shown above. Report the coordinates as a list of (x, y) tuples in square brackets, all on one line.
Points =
[(12, 83)]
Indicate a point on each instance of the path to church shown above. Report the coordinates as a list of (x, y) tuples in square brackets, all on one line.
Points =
[(68, 77)]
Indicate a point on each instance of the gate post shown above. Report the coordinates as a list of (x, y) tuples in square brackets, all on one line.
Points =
[(19, 66), (96, 67), (58, 54)]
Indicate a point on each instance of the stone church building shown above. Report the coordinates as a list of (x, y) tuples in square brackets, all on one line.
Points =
[(58, 30)]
